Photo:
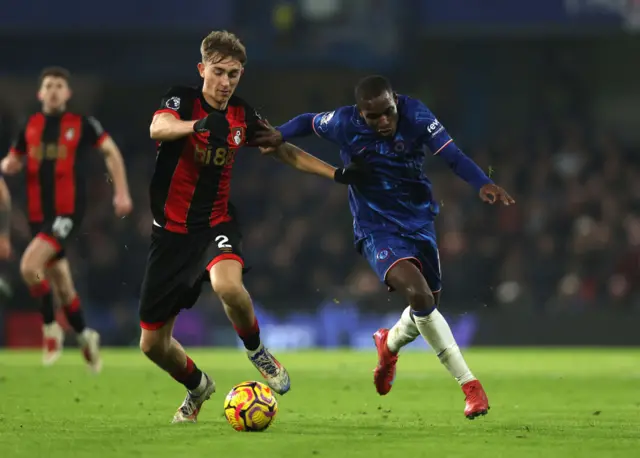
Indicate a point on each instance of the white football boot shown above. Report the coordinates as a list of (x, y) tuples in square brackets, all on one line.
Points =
[(53, 339), (89, 341), (192, 404), (274, 373)]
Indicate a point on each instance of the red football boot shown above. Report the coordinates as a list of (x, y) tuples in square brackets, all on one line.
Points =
[(385, 372), (476, 401)]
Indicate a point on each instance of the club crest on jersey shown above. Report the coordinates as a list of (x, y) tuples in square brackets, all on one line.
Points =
[(382, 255), (69, 134), (237, 134), (173, 103)]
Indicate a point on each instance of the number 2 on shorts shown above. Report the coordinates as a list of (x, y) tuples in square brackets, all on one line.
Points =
[(223, 241)]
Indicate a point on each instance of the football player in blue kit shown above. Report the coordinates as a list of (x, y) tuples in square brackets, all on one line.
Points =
[(383, 142)]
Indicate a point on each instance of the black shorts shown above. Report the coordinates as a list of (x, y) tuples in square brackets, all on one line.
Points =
[(57, 232), (177, 266)]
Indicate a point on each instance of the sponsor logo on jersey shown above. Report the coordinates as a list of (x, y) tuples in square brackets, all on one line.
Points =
[(435, 127)]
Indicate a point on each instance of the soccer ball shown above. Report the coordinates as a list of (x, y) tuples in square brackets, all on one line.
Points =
[(250, 406)]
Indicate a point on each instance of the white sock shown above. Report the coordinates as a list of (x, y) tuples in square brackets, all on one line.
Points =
[(201, 387), (436, 331), (403, 332), (50, 328)]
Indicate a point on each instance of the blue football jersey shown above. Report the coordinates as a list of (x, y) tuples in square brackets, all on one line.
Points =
[(400, 200)]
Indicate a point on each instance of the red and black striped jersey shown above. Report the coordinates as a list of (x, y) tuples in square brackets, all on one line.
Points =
[(192, 178), (55, 147)]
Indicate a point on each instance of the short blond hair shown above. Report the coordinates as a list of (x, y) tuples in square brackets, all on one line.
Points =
[(220, 44)]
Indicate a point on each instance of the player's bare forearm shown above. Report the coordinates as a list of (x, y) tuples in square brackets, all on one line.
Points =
[(5, 208), (115, 165), (166, 127), (303, 161)]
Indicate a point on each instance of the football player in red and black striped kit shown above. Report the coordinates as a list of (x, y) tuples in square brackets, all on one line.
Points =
[(54, 145), (196, 238)]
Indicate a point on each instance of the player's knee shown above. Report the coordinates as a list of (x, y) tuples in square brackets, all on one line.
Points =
[(421, 299), (30, 272), (231, 293)]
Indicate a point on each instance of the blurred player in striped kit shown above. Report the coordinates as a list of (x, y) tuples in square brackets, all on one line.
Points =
[(53, 147)]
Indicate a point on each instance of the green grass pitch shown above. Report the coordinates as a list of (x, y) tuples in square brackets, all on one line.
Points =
[(544, 403)]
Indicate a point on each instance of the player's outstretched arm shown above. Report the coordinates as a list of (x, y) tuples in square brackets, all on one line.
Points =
[(5, 218), (440, 142), (354, 174), (269, 136), (300, 160), (115, 165), (469, 171), (166, 127), (463, 166), (300, 126)]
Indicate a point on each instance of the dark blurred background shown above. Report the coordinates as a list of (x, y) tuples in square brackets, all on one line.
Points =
[(543, 94)]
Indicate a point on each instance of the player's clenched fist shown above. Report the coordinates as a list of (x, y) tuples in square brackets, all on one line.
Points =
[(214, 122), (493, 193)]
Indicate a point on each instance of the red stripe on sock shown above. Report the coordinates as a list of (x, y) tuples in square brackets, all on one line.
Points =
[(74, 306), (181, 376), (190, 366), (40, 289), (246, 332)]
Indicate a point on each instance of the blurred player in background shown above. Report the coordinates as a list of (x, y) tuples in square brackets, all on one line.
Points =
[(54, 144), (388, 135), (5, 220)]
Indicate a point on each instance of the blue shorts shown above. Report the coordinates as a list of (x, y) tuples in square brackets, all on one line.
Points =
[(383, 251)]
